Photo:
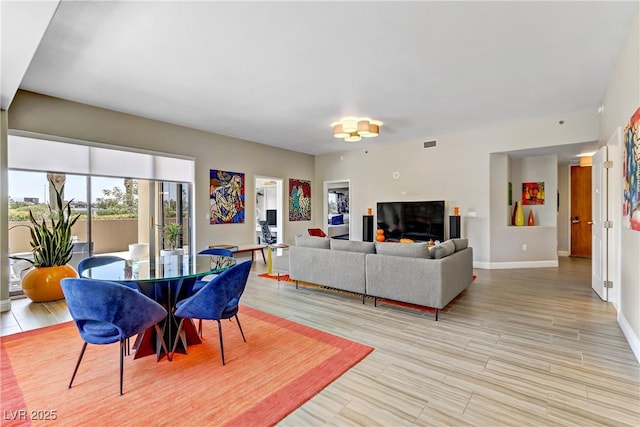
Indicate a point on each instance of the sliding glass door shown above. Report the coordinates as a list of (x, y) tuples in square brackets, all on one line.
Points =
[(121, 196), (117, 215)]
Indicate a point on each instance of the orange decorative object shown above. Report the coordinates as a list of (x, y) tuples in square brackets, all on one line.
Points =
[(42, 284), (531, 220), (456, 211), (369, 211), (380, 235)]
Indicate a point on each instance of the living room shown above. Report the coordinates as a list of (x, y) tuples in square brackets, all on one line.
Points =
[(459, 169)]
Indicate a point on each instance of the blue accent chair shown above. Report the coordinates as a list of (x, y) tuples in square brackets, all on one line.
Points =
[(107, 312), (201, 281), (218, 299), (98, 260)]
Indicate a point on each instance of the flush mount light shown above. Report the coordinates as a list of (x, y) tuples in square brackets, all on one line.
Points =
[(585, 161), (353, 129)]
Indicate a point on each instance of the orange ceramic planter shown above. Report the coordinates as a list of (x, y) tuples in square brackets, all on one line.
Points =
[(42, 284)]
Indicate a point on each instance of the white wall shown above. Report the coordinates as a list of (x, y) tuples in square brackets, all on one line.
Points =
[(456, 170), (620, 101)]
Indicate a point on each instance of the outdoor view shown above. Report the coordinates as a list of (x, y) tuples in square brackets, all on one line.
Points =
[(114, 213)]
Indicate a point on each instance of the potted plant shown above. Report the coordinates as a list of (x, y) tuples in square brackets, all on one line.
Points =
[(172, 233), (52, 248)]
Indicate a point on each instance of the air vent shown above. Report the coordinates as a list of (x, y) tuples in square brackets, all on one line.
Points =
[(429, 144)]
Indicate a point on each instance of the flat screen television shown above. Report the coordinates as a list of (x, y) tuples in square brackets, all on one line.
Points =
[(272, 215), (419, 221)]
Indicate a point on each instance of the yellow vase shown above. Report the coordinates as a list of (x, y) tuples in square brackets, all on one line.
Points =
[(42, 284), (519, 214)]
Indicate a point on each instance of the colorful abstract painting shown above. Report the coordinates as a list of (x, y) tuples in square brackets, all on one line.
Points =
[(226, 197), (299, 200), (533, 193), (631, 173)]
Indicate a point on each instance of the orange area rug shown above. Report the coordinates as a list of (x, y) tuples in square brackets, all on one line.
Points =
[(281, 366)]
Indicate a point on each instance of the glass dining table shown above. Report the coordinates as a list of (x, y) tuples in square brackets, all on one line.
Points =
[(167, 280)]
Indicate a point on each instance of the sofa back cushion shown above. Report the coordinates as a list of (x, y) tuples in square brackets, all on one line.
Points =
[(460, 244), (410, 250), (312, 241), (443, 249), (353, 246)]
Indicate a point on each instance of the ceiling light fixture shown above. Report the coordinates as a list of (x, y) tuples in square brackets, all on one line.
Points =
[(585, 161), (353, 129)]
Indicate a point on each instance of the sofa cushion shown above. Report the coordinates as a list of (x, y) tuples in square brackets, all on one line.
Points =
[(460, 244), (411, 250), (444, 249), (353, 246), (312, 241)]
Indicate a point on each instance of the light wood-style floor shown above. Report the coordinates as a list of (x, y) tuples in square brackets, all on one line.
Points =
[(518, 347)]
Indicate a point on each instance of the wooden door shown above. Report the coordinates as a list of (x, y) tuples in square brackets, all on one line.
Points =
[(581, 211)]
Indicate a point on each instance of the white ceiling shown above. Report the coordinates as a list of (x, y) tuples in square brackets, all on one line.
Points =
[(279, 73)]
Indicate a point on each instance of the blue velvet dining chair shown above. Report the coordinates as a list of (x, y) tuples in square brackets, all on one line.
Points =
[(97, 261), (108, 312), (201, 281), (218, 299)]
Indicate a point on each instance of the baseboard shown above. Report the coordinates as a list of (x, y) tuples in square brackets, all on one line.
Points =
[(5, 305), (564, 253), (523, 264), (482, 265), (628, 332)]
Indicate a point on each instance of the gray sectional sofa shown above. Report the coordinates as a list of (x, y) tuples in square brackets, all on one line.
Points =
[(407, 272)]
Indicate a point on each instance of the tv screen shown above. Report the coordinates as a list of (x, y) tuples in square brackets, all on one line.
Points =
[(419, 221), (272, 215)]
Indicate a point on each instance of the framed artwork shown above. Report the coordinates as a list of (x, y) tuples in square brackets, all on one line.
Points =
[(226, 197), (299, 200), (533, 193), (631, 173)]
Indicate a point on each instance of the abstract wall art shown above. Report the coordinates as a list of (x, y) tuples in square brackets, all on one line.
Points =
[(299, 200), (533, 193), (226, 197), (631, 173)]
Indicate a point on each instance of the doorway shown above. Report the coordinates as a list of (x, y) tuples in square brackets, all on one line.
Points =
[(270, 206), (581, 211), (336, 209)]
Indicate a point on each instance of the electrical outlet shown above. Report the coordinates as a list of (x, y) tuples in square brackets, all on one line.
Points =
[(524, 246)]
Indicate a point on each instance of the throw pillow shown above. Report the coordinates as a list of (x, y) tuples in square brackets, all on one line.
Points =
[(460, 244), (312, 241), (410, 250), (444, 249), (337, 220)]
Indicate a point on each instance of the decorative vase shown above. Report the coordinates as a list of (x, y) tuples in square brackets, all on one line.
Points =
[(380, 235), (531, 220), (369, 211), (42, 284), (519, 214)]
